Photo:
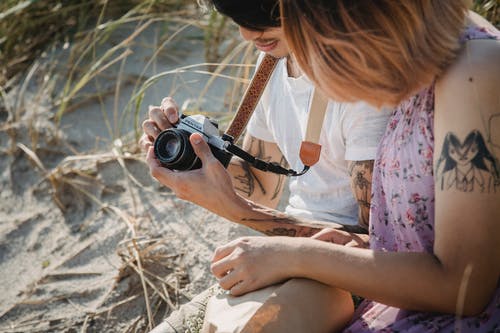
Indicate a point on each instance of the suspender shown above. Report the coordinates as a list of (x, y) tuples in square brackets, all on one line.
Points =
[(310, 149)]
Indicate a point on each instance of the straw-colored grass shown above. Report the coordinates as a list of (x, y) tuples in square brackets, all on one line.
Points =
[(60, 48), (33, 29), (490, 9)]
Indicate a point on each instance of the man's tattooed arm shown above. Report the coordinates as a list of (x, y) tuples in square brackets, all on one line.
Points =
[(275, 223), (262, 187), (361, 185), (245, 182)]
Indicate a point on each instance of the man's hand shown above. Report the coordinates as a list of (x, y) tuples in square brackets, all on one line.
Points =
[(160, 118), (343, 238), (209, 187)]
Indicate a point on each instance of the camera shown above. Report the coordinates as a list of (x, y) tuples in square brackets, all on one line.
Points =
[(174, 151)]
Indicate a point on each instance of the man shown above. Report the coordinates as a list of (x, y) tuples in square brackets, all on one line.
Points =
[(335, 190), (349, 136)]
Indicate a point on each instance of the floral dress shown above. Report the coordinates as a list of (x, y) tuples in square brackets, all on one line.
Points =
[(402, 214)]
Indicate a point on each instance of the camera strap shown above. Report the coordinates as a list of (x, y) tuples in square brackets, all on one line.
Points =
[(310, 150), (252, 96), (257, 163)]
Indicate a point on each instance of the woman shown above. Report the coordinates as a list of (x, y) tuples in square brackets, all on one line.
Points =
[(434, 258)]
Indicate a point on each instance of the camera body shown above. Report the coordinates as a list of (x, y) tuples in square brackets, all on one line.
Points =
[(174, 151)]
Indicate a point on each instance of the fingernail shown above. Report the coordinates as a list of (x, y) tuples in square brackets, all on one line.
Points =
[(171, 115), (196, 139)]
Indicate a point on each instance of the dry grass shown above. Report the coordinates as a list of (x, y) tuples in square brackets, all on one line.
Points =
[(153, 282), (30, 50), (490, 9), (150, 280), (29, 27)]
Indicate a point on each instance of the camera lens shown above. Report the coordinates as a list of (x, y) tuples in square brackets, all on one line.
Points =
[(171, 147), (174, 151)]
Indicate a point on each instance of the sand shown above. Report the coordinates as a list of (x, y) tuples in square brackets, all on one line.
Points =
[(89, 242)]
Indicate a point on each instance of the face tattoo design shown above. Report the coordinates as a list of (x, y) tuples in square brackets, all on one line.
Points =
[(467, 166)]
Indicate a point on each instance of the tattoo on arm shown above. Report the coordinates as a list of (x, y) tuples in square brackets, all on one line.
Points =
[(361, 185), (248, 182), (281, 180), (276, 223), (467, 166)]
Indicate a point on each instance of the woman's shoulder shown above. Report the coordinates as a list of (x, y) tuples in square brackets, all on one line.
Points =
[(466, 101), (478, 56), (473, 78), (476, 20)]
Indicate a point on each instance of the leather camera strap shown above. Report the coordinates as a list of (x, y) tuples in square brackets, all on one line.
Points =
[(252, 96)]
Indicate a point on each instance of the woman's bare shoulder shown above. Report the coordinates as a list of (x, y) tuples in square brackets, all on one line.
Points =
[(474, 77), (475, 19)]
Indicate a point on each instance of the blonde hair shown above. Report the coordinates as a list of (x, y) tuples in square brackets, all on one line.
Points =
[(379, 51)]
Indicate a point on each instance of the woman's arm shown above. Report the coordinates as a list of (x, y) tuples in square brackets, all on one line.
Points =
[(462, 274), (467, 173)]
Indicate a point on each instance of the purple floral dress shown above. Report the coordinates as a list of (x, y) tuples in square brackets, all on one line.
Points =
[(402, 214)]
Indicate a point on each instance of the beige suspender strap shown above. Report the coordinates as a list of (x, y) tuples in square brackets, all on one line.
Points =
[(310, 150), (316, 115), (252, 96)]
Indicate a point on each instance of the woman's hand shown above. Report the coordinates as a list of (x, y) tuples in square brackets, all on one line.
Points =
[(343, 238), (250, 263)]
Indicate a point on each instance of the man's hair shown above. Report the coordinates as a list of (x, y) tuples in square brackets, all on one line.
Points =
[(254, 14), (379, 51)]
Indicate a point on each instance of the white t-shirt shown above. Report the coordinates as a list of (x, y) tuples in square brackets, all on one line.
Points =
[(351, 132)]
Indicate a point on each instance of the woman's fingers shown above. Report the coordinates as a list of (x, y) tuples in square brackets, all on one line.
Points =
[(236, 281), (240, 288), (333, 236), (231, 279), (243, 287), (226, 257), (222, 262), (225, 250), (221, 268)]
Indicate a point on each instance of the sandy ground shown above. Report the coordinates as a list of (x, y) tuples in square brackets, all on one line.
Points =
[(89, 242), (73, 266)]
